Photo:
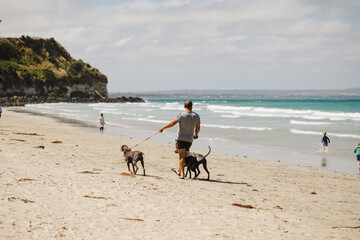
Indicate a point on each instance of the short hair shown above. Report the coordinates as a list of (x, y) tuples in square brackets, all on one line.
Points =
[(188, 104)]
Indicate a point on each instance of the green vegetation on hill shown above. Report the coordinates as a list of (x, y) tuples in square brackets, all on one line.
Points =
[(36, 66)]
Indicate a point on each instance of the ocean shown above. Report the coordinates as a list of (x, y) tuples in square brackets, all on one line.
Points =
[(286, 130)]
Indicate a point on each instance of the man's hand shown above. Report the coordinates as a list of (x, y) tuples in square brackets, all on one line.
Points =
[(195, 136)]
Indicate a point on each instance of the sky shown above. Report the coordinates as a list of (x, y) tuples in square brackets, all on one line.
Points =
[(156, 45)]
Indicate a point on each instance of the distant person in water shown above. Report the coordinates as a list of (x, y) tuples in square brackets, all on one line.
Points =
[(101, 123), (325, 142), (357, 153)]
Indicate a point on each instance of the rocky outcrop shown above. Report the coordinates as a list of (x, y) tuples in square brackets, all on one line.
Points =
[(37, 66), (23, 100)]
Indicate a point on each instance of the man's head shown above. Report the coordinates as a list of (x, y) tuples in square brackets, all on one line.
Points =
[(188, 104), (102, 115)]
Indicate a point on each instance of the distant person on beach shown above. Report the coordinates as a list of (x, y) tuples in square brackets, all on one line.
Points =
[(357, 153), (101, 123), (325, 142), (189, 128), (0, 111)]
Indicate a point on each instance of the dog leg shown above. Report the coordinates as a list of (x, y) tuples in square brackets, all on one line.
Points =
[(128, 165), (197, 174), (142, 164), (133, 166), (189, 170), (136, 168), (205, 167)]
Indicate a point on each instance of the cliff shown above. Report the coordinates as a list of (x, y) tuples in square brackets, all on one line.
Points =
[(42, 67)]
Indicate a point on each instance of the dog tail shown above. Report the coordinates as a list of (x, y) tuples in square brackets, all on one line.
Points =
[(208, 152)]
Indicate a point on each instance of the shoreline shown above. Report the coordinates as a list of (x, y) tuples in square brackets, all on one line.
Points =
[(328, 161), (77, 186)]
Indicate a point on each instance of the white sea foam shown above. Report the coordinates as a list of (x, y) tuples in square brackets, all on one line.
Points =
[(215, 139), (236, 127), (314, 117), (309, 123), (172, 108), (229, 116), (345, 135), (38, 106), (68, 110), (296, 131), (116, 124), (178, 106), (68, 115), (146, 120), (98, 108), (305, 132), (228, 111)]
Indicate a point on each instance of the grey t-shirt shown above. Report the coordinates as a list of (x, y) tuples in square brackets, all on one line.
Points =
[(187, 123)]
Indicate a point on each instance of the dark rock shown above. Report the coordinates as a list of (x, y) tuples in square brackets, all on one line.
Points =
[(23, 100)]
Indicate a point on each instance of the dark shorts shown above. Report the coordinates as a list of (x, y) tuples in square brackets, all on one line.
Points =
[(101, 128), (183, 145), (358, 157)]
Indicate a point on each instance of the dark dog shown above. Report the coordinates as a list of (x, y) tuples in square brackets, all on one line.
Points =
[(132, 157), (192, 162)]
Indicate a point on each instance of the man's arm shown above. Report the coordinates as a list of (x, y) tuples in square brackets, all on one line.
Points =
[(169, 125), (197, 130)]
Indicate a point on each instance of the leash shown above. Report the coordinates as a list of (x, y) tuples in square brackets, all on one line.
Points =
[(143, 141)]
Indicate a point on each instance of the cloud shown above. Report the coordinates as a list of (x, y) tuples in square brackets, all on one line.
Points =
[(123, 41), (200, 40)]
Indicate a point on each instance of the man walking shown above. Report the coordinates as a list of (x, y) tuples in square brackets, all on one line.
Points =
[(189, 127)]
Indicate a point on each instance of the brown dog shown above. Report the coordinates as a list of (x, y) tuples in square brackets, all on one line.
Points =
[(132, 157)]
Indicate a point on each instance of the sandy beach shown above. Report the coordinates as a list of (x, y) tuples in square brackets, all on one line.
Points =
[(59, 181)]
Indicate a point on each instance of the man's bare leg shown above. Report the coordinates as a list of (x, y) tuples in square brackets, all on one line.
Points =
[(182, 155)]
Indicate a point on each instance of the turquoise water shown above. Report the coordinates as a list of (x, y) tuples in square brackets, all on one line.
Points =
[(287, 130)]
